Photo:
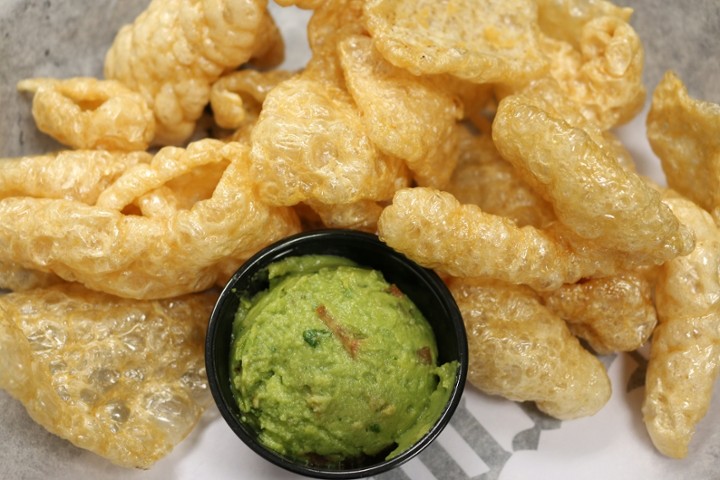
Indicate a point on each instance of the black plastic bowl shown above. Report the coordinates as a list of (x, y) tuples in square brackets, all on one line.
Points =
[(421, 285)]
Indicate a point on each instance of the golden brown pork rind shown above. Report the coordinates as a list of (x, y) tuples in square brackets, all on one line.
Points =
[(176, 49), (406, 116), (87, 113), (685, 134), (121, 378), (432, 228), (591, 192), (521, 351), (80, 175), (143, 257), (685, 351), (481, 41), (613, 314)]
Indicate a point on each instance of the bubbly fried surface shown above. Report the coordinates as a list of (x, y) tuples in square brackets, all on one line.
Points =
[(480, 41), (87, 113), (685, 352), (683, 132), (520, 350), (613, 314), (121, 378), (175, 50)]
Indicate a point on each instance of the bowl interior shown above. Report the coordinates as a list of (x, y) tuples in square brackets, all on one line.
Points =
[(421, 285)]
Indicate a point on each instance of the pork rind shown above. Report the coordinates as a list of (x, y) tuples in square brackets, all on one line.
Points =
[(613, 314), (141, 257), (564, 19), (236, 98), (121, 378), (685, 351), (87, 113), (176, 49), (483, 178), (406, 116), (435, 230), (71, 174), (310, 143), (480, 41), (685, 135), (521, 351), (591, 193)]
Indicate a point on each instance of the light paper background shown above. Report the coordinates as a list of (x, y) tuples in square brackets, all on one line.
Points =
[(488, 438)]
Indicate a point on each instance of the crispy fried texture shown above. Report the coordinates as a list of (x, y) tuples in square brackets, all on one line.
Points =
[(176, 49), (591, 193), (236, 98), (142, 257), (434, 229), (685, 135), (310, 143), (121, 378), (71, 174), (685, 351), (87, 113), (564, 19), (480, 41), (406, 116), (16, 278), (482, 177), (613, 314), (520, 350)]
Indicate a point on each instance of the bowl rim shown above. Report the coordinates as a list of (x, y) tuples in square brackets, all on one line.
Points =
[(283, 248)]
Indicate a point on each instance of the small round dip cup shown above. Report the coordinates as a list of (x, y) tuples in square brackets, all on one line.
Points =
[(421, 285)]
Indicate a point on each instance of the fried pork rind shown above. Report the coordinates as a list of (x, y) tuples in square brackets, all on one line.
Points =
[(176, 49), (480, 41), (304, 4), (123, 379), (142, 257), (71, 174), (685, 351), (406, 116), (613, 314), (236, 98), (522, 351), (685, 134), (564, 19), (483, 178), (432, 228), (310, 143), (591, 193), (360, 215), (87, 113)]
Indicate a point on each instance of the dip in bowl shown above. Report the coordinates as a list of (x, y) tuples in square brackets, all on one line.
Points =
[(333, 356)]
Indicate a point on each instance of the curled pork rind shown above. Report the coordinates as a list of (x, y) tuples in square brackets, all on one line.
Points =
[(613, 314), (310, 143), (135, 256), (591, 193), (121, 378), (71, 174), (176, 49), (482, 177), (685, 134), (87, 113), (432, 228), (685, 351), (521, 351), (480, 41), (236, 98), (564, 19), (16, 278), (407, 116)]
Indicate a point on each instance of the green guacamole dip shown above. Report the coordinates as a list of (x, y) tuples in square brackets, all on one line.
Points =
[(332, 364)]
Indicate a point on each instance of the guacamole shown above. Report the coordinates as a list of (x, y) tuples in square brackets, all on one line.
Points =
[(332, 364)]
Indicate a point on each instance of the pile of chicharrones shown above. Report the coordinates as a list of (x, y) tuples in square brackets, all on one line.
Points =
[(473, 136)]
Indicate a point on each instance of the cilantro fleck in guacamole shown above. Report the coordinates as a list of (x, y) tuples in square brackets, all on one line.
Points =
[(332, 364)]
